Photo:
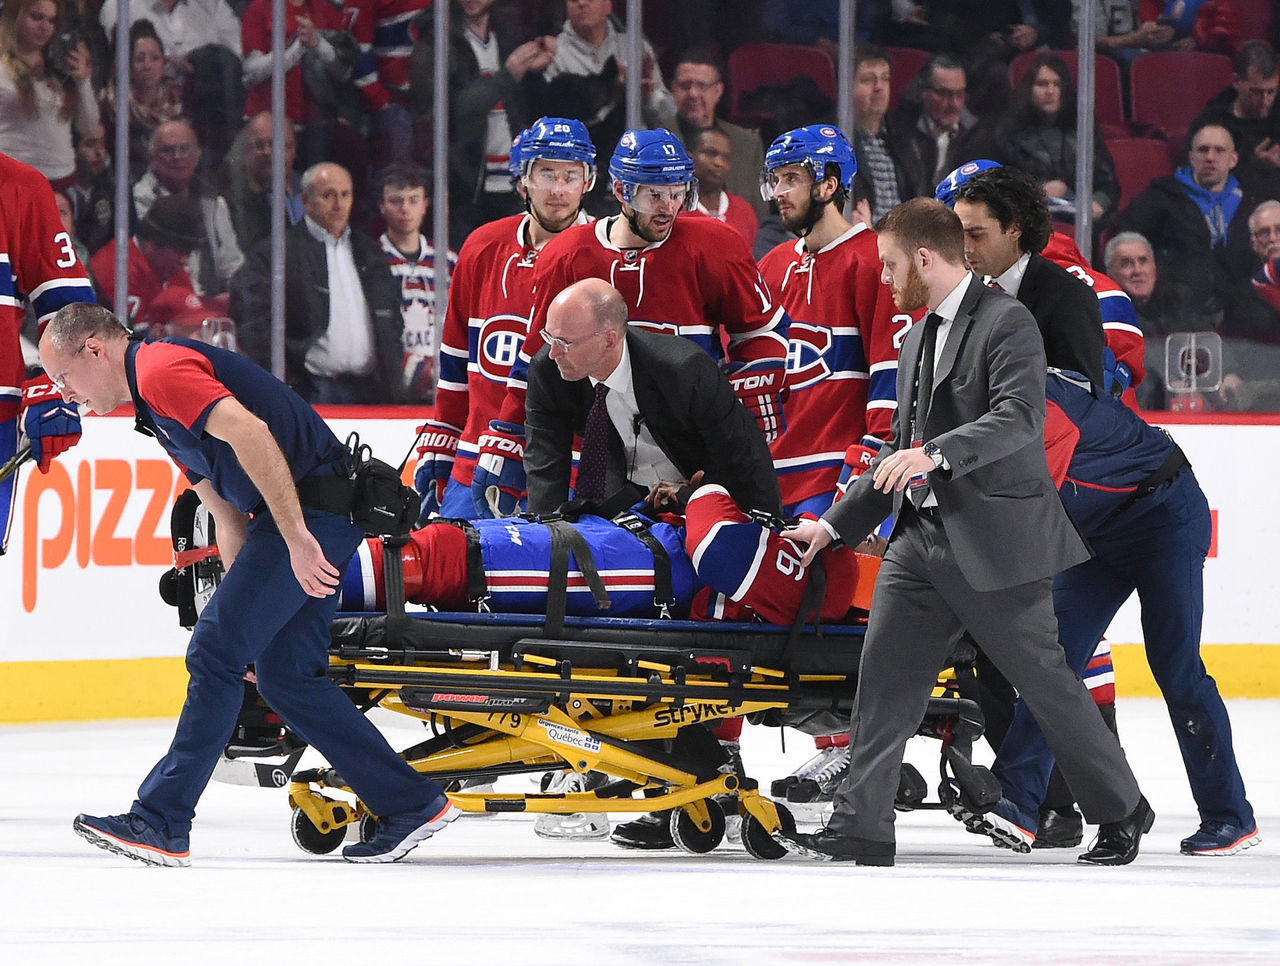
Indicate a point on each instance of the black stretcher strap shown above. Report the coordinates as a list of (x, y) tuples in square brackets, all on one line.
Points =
[(565, 540), (815, 592), (663, 590), (393, 582)]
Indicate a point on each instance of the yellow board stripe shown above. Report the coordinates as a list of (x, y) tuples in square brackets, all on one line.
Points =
[(155, 687)]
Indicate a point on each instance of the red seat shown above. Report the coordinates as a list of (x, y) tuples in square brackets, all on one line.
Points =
[(1169, 89), (1255, 18), (1108, 101), (1138, 161), (753, 66), (904, 63)]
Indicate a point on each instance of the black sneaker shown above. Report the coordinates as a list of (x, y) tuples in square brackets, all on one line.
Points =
[(650, 832), (828, 845), (133, 837)]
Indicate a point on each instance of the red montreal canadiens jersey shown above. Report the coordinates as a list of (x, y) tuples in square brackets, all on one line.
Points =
[(1119, 318), (842, 360), (383, 30), (490, 299), (700, 282)]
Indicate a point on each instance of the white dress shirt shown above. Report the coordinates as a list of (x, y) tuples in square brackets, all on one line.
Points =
[(647, 464), (346, 347)]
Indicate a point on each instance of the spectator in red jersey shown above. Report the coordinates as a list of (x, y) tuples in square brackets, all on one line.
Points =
[(712, 154), (164, 239)]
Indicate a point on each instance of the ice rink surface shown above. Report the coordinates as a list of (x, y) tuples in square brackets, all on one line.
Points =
[(488, 891)]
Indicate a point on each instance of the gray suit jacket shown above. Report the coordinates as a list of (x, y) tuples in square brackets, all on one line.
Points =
[(1002, 515)]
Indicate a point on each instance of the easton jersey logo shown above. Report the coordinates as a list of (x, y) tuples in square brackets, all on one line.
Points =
[(807, 348), (498, 345)]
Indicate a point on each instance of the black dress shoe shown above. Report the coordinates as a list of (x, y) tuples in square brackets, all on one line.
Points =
[(650, 832), (1059, 829), (1117, 842), (831, 846)]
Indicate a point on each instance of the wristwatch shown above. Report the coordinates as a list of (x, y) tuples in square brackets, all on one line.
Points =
[(931, 450)]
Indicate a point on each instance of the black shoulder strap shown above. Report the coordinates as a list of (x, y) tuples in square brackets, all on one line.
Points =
[(143, 421), (663, 591)]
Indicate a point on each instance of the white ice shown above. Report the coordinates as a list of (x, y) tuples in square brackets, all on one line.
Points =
[(487, 891)]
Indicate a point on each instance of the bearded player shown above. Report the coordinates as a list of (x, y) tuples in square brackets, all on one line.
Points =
[(692, 277)]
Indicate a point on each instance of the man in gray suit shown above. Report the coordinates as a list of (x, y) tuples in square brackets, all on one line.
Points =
[(979, 533)]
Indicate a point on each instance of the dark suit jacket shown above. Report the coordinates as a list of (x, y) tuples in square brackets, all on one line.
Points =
[(306, 305), (917, 151), (686, 403), (1067, 312), (1002, 515)]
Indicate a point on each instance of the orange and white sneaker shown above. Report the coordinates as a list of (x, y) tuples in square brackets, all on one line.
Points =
[(1220, 838), (133, 837)]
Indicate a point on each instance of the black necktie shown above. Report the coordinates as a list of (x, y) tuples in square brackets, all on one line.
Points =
[(595, 449), (924, 377), (920, 404)]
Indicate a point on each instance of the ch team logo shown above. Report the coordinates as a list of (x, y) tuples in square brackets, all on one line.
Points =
[(969, 168), (498, 345), (807, 349)]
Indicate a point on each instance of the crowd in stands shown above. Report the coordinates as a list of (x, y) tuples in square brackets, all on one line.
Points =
[(1191, 231)]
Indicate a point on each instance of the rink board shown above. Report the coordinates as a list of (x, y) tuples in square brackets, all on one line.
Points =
[(88, 637)]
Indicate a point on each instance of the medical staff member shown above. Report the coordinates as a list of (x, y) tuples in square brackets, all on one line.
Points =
[(271, 473)]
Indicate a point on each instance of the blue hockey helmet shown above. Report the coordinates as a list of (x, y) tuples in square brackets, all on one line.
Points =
[(559, 139), (654, 157), (948, 186), (815, 147), (516, 158)]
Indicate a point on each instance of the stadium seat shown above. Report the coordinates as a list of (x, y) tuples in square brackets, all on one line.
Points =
[(1169, 89), (1255, 19), (905, 63), (1137, 161), (1108, 101), (753, 66)]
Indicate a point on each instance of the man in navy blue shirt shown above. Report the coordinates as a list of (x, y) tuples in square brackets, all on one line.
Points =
[(271, 473)]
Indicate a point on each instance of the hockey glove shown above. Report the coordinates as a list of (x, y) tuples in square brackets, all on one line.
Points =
[(436, 452), (49, 423), (1116, 376), (758, 386), (857, 460), (499, 480)]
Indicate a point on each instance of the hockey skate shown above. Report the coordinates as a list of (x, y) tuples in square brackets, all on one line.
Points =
[(809, 789), (577, 826)]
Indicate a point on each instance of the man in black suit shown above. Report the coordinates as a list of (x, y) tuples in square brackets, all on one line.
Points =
[(342, 304), (672, 412), (1006, 226), (975, 545)]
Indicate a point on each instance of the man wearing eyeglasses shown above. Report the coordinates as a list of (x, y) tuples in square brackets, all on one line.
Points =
[(697, 85), (937, 134), (273, 477), (671, 413), (173, 157)]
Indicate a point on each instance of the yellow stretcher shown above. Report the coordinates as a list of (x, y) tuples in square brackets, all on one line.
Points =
[(628, 698)]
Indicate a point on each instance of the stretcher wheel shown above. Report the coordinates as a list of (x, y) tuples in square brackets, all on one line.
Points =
[(759, 843), (311, 839), (690, 837)]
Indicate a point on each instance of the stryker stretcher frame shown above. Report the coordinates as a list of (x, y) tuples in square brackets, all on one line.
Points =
[(614, 695)]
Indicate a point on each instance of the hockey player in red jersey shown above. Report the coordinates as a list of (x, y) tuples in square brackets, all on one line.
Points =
[(1124, 368), (692, 277), (38, 264), (490, 300), (842, 361)]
